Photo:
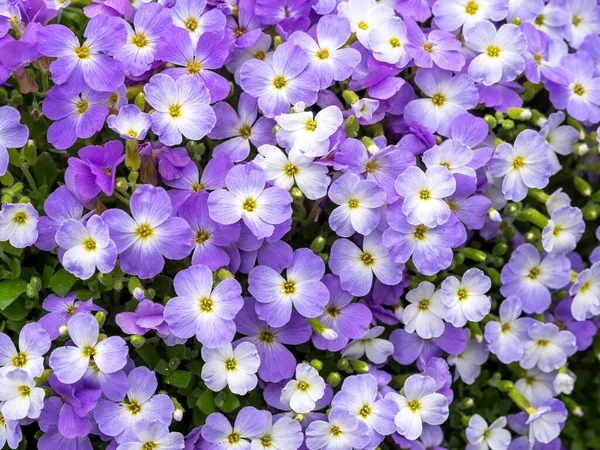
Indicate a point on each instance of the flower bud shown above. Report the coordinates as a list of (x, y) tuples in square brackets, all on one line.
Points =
[(317, 364), (563, 383), (100, 318), (582, 149), (334, 379), (582, 186), (318, 244), (137, 341), (360, 366), (63, 330)]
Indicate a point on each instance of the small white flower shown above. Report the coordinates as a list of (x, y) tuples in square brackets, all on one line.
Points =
[(425, 312), (481, 436), (564, 382), (20, 396), (377, 350), (236, 369), (18, 224), (303, 392)]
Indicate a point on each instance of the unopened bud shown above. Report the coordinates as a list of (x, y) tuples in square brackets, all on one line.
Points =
[(494, 215), (299, 107), (318, 244), (316, 364), (360, 366), (177, 415), (322, 330), (63, 330), (140, 101), (224, 274), (582, 149), (298, 417), (137, 341), (334, 379), (350, 97), (563, 383), (582, 186), (100, 318)]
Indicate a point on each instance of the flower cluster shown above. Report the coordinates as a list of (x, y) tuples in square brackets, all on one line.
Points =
[(299, 224)]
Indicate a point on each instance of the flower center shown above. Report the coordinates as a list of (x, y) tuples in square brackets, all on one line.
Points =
[(144, 232), (462, 294), (197, 187), (311, 125), (363, 25), (280, 82), (493, 51), (543, 342), (193, 67), (332, 311), (139, 40), (289, 287), (578, 89), (534, 273), (150, 446), (132, 133), (19, 360), (24, 390), (424, 304), (518, 163), (367, 259), (230, 365), (505, 327), (201, 237), (372, 167), (428, 47), (88, 351), (425, 194), (239, 31), (438, 100), (472, 8), (414, 405), (175, 111), (585, 287), (249, 205), (266, 337), (133, 408), (71, 310), (82, 52), (89, 245), (266, 440), (290, 170), (420, 232), (302, 386), (2, 421), (206, 304), (353, 203), (576, 21), (260, 55), (245, 131), (191, 24), (322, 54), (557, 230), (538, 58), (539, 20), (233, 438), (20, 218), (365, 411), (335, 431), (81, 106), (395, 42)]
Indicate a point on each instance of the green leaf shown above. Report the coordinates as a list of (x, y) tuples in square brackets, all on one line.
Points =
[(16, 311), (180, 379), (162, 367), (149, 354), (61, 282), (10, 291), (227, 402), (206, 402), (45, 170)]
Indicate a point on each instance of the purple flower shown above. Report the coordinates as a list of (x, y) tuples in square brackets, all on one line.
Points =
[(561, 138), (210, 52), (247, 199), (232, 367), (481, 436), (19, 396), (585, 21), (155, 435), (147, 316), (70, 363), (524, 165), (181, 108), (356, 267), (49, 422), (152, 234), (439, 48), (409, 346), (12, 134), (543, 56), (201, 310), (34, 342), (130, 123), (61, 310), (451, 14), (547, 347), (449, 97), (245, 29), (151, 22), (210, 238), (240, 128), (191, 15), (18, 224), (248, 424), (342, 429), (326, 57), (471, 210), (84, 64), (284, 434), (563, 231), (430, 248), (76, 115), (95, 169), (348, 320), (359, 396), (282, 82), (10, 433), (301, 288), (120, 419), (453, 155), (499, 52), (530, 278), (277, 362), (545, 423), (359, 201)]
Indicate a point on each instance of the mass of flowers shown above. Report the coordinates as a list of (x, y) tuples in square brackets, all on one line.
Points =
[(299, 224)]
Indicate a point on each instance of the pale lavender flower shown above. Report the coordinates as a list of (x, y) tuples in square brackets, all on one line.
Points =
[(303, 391), (425, 312), (545, 423), (547, 347), (18, 224), (453, 155), (61, 310), (376, 349), (193, 16), (341, 431), (10, 433), (130, 123), (482, 436), (468, 363), (12, 134), (466, 300), (364, 15), (34, 342), (564, 229), (19, 396), (388, 42), (284, 434), (586, 293), (585, 20), (450, 15), (248, 424), (234, 368), (153, 435)]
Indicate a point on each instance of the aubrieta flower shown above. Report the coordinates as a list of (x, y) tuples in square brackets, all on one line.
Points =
[(12, 134), (419, 404), (10, 432), (548, 347), (543, 56), (358, 202), (356, 267), (61, 310), (327, 58), (154, 435), (249, 423), (34, 342), (70, 363), (311, 135), (537, 386), (585, 20), (564, 229), (86, 64), (523, 165), (586, 293), (152, 234), (247, 199), (425, 312), (201, 310), (18, 224), (303, 392), (130, 123), (499, 52), (301, 288), (342, 430), (182, 108), (49, 422), (19, 396), (451, 15), (466, 300), (453, 155), (377, 350), (482, 436), (363, 16), (283, 82)]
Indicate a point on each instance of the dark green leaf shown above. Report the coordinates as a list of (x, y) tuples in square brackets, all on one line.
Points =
[(179, 378), (10, 291), (61, 282), (206, 402), (45, 170)]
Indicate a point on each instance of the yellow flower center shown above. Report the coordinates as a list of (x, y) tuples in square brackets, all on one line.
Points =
[(424, 304), (230, 365), (201, 237), (425, 194), (363, 25), (260, 55), (249, 205), (414, 405), (395, 42), (534, 273), (372, 167), (19, 360), (191, 24), (150, 446), (89, 245), (493, 51), (82, 52), (197, 187), (335, 431), (538, 58), (302, 386), (578, 89), (462, 294), (322, 54), (266, 440), (266, 337), (420, 232), (472, 8), (539, 20), (332, 311), (71, 310), (81, 106), (139, 40), (24, 391), (206, 304), (428, 47), (245, 131), (280, 82), (193, 67), (289, 287), (557, 230), (175, 111), (587, 285), (233, 438), (365, 411), (438, 100), (505, 327), (134, 408), (353, 203), (543, 342), (88, 351), (132, 133), (367, 259), (144, 232), (576, 21), (518, 163), (20, 218), (290, 170), (311, 125)]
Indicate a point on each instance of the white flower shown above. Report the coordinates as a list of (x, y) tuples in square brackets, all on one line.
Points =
[(425, 312), (377, 350), (364, 15), (466, 300), (481, 436), (537, 386), (236, 369), (468, 363), (303, 392), (564, 382), (18, 224), (20, 396)]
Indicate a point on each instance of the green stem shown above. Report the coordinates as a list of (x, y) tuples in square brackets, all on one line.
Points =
[(30, 179), (313, 211), (121, 197)]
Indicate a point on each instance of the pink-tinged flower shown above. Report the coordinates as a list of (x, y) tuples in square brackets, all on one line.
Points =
[(499, 52), (12, 134), (247, 199), (201, 310), (152, 234), (181, 108), (280, 82), (84, 64), (70, 363)]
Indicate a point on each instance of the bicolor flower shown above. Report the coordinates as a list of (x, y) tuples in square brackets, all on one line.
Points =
[(388, 40), (356, 267), (154, 435), (12, 134), (18, 224), (419, 404), (438, 48), (310, 135), (537, 386), (545, 423), (61, 310), (193, 16), (10, 432), (301, 288), (341, 431), (130, 123), (181, 108), (19, 396), (564, 229), (234, 368), (364, 15), (358, 202), (586, 293), (499, 52), (34, 342), (303, 392), (547, 347), (466, 300), (482, 436), (453, 155), (450, 15), (284, 434), (70, 363), (377, 350), (248, 424), (523, 165), (247, 199), (152, 234), (468, 363), (425, 312), (201, 310), (561, 138)]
